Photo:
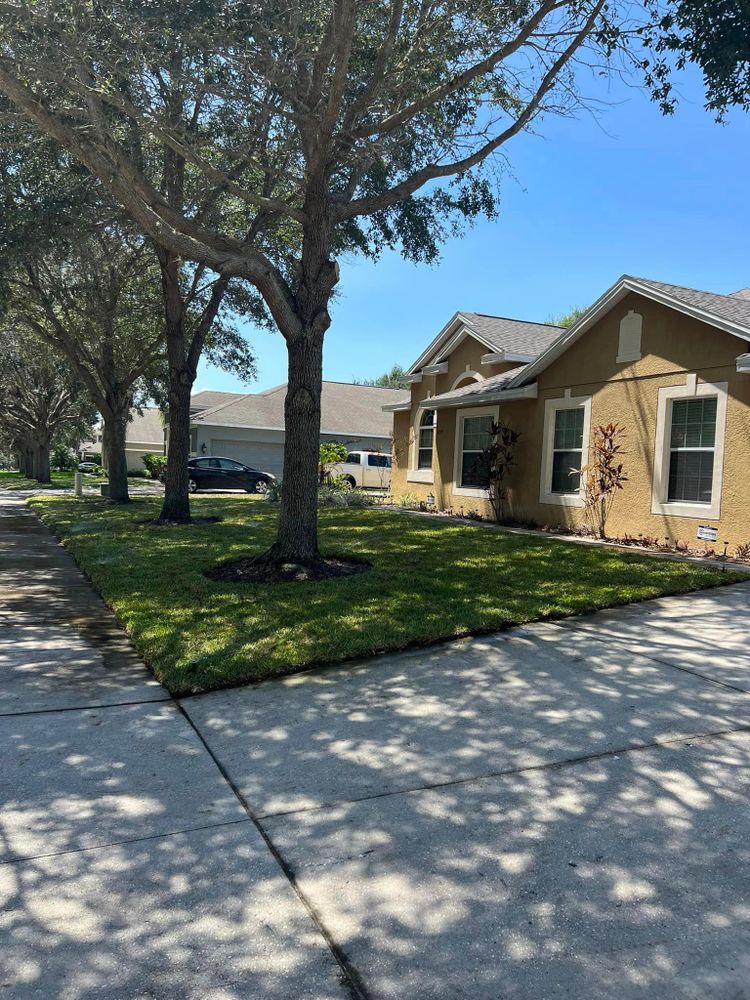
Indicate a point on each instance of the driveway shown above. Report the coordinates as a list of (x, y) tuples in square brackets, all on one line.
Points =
[(557, 811)]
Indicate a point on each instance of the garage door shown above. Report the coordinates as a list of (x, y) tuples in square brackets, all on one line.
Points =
[(266, 457)]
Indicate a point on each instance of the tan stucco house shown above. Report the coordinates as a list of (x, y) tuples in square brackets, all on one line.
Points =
[(669, 364)]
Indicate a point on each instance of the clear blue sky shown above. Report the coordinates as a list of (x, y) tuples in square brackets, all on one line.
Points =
[(585, 201)]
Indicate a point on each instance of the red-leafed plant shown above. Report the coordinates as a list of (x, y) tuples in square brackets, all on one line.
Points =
[(604, 475), (499, 458)]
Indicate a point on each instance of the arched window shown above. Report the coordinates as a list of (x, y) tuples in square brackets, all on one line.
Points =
[(426, 439)]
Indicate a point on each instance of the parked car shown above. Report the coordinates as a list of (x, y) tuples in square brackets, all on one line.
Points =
[(87, 466), (365, 469), (225, 474)]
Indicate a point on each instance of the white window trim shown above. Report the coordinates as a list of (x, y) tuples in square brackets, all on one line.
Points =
[(475, 411), (413, 474), (660, 485), (551, 406)]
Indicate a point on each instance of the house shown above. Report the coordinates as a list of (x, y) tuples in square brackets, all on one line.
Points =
[(144, 435), (250, 427), (670, 365)]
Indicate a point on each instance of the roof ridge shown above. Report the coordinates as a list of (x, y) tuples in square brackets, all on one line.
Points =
[(684, 288), (512, 319)]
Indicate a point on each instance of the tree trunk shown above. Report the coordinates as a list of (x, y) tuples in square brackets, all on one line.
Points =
[(115, 426), (42, 470), (297, 538), (176, 506)]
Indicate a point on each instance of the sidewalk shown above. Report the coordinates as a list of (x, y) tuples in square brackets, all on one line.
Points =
[(128, 866)]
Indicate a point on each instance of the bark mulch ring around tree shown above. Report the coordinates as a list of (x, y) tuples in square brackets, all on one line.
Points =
[(260, 570)]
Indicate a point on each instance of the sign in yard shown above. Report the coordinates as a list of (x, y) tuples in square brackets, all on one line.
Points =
[(707, 534)]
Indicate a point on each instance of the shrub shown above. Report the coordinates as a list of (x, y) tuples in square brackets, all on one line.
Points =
[(63, 459), (333, 496), (409, 501), (156, 465), (742, 551), (604, 475), (273, 493), (330, 453), (499, 457)]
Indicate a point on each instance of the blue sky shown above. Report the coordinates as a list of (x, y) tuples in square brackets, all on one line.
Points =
[(585, 200)]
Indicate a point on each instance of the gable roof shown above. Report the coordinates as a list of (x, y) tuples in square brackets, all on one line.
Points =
[(489, 390), (145, 427), (208, 398), (730, 313), (345, 409), (499, 334)]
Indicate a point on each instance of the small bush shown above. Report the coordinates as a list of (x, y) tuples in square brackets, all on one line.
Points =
[(742, 551), (156, 465), (333, 496), (409, 501), (273, 493)]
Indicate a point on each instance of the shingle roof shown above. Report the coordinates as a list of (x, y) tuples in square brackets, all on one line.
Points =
[(345, 409), (517, 336), (735, 307), (476, 392), (145, 427), (207, 398)]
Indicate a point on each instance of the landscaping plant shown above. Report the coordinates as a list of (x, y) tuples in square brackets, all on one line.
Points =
[(500, 457), (604, 475)]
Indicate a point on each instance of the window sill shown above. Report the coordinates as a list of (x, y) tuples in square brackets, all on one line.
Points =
[(470, 491), (563, 499), (698, 511), (420, 476)]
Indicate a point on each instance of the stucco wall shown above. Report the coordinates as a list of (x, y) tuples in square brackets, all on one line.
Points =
[(673, 346)]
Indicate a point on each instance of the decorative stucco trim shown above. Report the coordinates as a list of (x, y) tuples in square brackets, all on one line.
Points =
[(467, 374), (659, 503), (551, 406)]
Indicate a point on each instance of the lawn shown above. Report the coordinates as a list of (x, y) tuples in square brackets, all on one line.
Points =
[(60, 481), (429, 580)]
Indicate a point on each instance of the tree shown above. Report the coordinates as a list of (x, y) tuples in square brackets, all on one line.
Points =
[(78, 276), (305, 131), (569, 318), (396, 378), (40, 401)]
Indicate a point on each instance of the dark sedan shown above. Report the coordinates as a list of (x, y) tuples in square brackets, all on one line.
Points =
[(226, 474)]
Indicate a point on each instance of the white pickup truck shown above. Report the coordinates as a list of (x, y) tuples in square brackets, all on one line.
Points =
[(364, 469)]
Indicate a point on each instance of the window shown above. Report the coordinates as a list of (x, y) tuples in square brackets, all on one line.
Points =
[(193, 440), (352, 458), (229, 466), (379, 461), (426, 440), (567, 421), (476, 437), (691, 450), (567, 451), (689, 454)]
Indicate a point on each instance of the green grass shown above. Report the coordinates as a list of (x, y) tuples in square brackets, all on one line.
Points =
[(60, 481), (429, 580)]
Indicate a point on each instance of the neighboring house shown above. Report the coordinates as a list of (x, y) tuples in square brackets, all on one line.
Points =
[(669, 364), (144, 434), (250, 428)]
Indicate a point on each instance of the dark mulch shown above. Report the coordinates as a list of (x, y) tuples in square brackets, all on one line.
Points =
[(260, 570)]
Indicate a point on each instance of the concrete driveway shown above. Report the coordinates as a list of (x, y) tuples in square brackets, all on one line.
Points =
[(558, 811)]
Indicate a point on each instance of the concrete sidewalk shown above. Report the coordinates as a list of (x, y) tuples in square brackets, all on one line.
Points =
[(556, 811), (128, 866)]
